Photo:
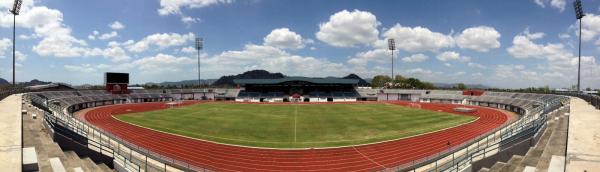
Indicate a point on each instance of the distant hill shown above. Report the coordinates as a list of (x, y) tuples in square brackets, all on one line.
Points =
[(450, 85), (227, 81), (34, 82), (3, 81), (184, 82), (361, 82)]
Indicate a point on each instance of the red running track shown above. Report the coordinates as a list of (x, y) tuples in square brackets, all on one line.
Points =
[(221, 157)]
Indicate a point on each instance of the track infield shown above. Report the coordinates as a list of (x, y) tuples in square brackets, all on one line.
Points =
[(295, 125)]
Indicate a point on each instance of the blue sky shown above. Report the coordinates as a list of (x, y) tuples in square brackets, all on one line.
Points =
[(508, 43)]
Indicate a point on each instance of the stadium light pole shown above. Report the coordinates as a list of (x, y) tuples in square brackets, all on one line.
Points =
[(579, 14), (199, 46), (392, 47), (15, 12)]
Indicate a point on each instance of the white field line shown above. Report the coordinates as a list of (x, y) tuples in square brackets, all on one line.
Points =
[(295, 121)]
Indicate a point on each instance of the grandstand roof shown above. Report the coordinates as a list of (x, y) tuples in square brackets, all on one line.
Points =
[(301, 79)]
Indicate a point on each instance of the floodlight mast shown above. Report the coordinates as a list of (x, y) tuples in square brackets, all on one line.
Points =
[(579, 15), (392, 47), (199, 46), (15, 12)]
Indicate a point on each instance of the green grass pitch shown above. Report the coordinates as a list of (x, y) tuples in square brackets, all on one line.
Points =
[(295, 125)]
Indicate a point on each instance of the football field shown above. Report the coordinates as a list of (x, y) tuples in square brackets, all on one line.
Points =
[(295, 125)]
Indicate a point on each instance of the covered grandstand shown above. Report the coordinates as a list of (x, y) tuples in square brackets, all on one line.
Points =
[(297, 89)]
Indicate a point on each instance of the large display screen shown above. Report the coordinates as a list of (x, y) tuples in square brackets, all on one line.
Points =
[(120, 78)]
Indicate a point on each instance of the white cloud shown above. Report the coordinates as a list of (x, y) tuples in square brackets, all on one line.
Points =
[(162, 63), (274, 60), (590, 27), (349, 29), (48, 25), (116, 25), (419, 71), (162, 40), (189, 20), (377, 55), (108, 35), (285, 39), (524, 47), (417, 39), (558, 4), (451, 56), (5, 44), (540, 3), (91, 37), (476, 65), (415, 58), (20, 56), (116, 44), (116, 54), (83, 68), (174, 6), (481, 38), (28, 37), (188, 49)]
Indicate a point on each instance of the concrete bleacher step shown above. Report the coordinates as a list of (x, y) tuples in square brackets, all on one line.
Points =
[(57, 165), (82, 164), (91, 164), (533, 155), (513, 163), (105, 168), (556, 144), (484, 170), (78, 169), (528, 169), (497, 167)]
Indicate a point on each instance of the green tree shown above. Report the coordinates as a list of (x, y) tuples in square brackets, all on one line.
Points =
[(461, 86), (428, 85), (380, 80), (413, 83)]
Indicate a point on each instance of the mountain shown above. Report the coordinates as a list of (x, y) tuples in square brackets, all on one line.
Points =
[(361, 82), (33, 82), (227, 81), (469, 86), (184, 82), (3, 81)]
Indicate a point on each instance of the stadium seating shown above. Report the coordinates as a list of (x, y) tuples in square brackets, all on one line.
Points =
[(522, 103)]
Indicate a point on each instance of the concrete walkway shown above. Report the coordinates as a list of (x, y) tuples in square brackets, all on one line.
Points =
[(583, 149), (10, 133)]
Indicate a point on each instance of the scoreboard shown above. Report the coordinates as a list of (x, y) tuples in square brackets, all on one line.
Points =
[(116, 83)]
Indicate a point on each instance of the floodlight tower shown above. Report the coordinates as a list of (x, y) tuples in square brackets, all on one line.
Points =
[(15, 12), (579, 14), (392, 47), (199, 46)]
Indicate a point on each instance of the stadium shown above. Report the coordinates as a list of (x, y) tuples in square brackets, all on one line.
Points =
[(452, 103), (259, 127)]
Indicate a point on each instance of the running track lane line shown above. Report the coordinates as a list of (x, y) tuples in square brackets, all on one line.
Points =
[(368, 157)]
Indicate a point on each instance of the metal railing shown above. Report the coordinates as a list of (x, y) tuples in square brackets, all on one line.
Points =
[(455, 158), (458, 157), (592, 99), (9, 90), (128, 155)]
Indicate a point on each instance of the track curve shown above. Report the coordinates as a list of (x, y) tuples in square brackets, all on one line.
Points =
[(220, 157)]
